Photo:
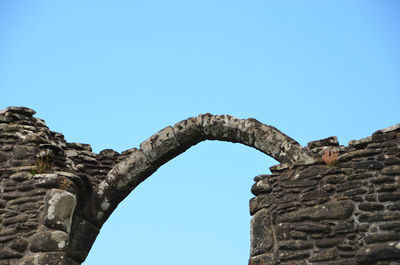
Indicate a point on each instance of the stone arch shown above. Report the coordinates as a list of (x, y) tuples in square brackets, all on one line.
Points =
[(305, 211), (174, 140)]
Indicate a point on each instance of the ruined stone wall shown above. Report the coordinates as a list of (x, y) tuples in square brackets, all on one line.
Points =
[(303, 213), (45, 183), (344, 214)]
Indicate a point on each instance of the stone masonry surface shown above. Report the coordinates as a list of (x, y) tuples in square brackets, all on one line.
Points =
[(55, 196)]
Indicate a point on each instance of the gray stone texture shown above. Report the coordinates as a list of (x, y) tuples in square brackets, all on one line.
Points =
[(55, 196)]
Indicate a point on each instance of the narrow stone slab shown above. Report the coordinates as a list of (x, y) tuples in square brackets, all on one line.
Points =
[(20, 110), (376, 252), (47, 258), (332, 210), (391, 128)]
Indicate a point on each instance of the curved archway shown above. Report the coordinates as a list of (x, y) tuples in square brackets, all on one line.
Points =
[(197, 203), (174, 140)]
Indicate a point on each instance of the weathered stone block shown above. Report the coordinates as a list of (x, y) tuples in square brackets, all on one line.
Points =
[(48, 240), (260, 187), (390, 226), (3, 156), (295, 245), (261, 233), (315, 195), (21, 176), (46, 180), (316, 171), (353, 192), (329, 254), (227, 128), (376, 252), (19, 245), (344, 227), (311, 228), (282, 231), (298, 183), (22, 152), (60, 206), (293, 255), (298, 235), (20, 110), (384, 197), (382, 237), (348, 185), (129, 173), (49, 258), (358, 153), (382, 179), (328, 242), (83, 236), (261, 201), (370, 164), (329, 141), (9, 254), (379, 217), (391, 170), (161, 147), (332, 210), (263, 259), (394, 207), (188, 132)]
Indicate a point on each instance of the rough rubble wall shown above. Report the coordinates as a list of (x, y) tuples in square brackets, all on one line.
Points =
[(345, 214), (45, 183), (306, 214)]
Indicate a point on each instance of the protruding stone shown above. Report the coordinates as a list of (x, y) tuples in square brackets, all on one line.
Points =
[(60, 206), (261, 186), (390, 128), (360, 143), (261, 201), (20, 110), (108, 153), (46, 241), (330, 141), (46, 180), (21, 176)]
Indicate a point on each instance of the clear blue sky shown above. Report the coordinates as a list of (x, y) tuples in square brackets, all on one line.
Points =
[(112, 73)]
